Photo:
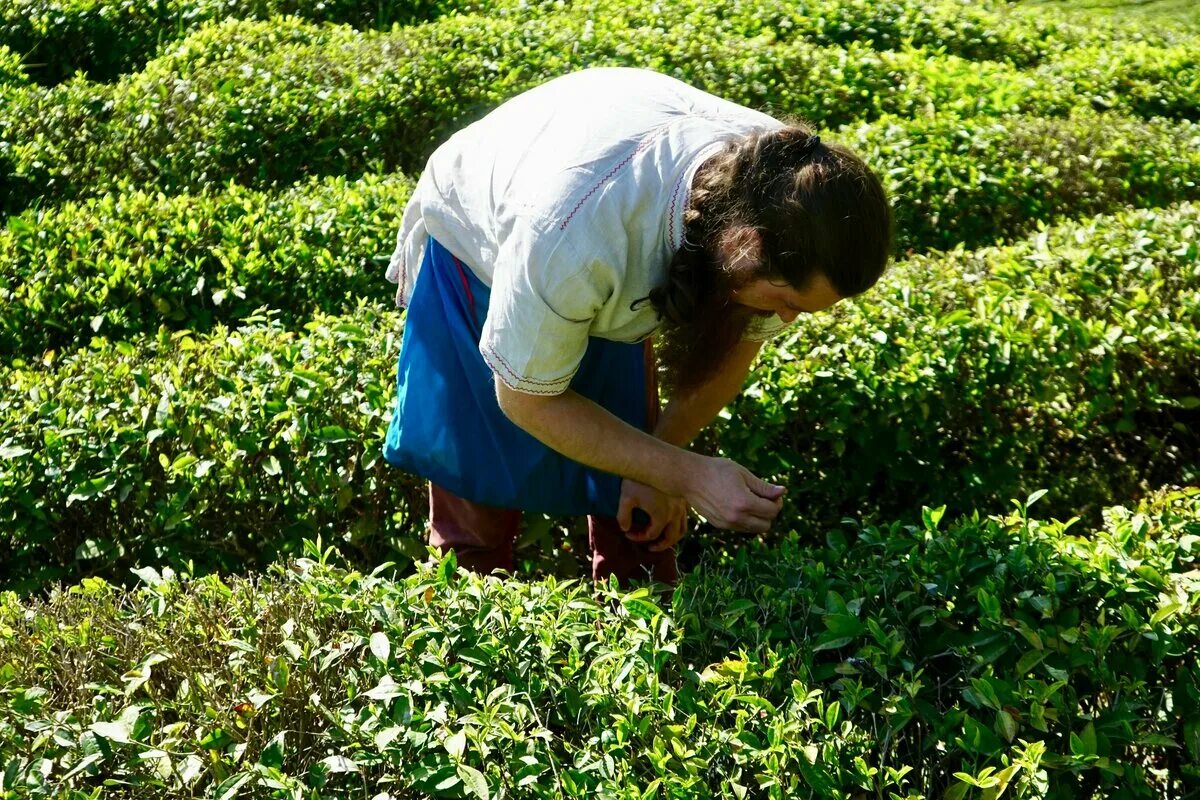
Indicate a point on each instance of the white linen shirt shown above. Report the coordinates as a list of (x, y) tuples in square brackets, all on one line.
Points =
[(567, 201)]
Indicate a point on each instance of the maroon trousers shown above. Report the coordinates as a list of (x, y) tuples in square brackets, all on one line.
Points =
[(482, 536)]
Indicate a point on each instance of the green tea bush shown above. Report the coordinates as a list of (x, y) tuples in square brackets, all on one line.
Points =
[(12, 70), (962, 379), (269, 103), (225, 449), (831, 85), (211, 109), (98, 37), (834, 85), (130, 261), (1000, 45), (981, 638), (1066, 361), (1026, 657), (48, 138), (985, 31), (1133, 76), (125, 263), (978, 181), (105, 38)]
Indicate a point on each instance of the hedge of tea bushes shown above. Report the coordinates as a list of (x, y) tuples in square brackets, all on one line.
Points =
[(211, 109), (1066, 361), (975, 181), (962, 379), (1133, 76), (106, 39), (48, 138), (129, 261), (99, 38), (12, 70), (1020, 626), (225, 449), (833, 85), (987, 31), (1074, 64), (1036, 658), (269, 103)]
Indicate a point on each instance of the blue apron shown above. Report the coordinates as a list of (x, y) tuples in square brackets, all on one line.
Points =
[(448, 428)]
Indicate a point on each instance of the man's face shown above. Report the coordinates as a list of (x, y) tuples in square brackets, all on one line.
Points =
[(741, 249), (784, 299)]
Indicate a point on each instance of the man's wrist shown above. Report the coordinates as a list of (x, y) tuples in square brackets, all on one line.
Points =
[(679, 480)]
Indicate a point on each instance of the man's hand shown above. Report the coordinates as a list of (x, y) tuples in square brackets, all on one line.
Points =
[(668, 515), (727, 494), (730, 496)]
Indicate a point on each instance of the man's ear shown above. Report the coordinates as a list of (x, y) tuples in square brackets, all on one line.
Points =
[(741, 247)]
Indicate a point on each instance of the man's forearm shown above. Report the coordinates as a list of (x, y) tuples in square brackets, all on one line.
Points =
[(685, 416), (585, 432)]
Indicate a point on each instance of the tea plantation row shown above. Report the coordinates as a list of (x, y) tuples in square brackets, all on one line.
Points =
[(251, 172), (1065, 362), (210, 108), (127, 262), (105, 39), (1041, 660)]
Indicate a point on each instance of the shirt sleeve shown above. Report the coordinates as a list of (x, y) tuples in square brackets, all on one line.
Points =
[(761, 328), (542, 304)]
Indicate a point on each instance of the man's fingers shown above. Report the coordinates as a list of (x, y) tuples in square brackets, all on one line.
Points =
[(751, 522), (761, 507), (672, 536), (665, 540), (752, 525), (654, 533), (765, 489), (648, 528), (647, 534), (625, 513)]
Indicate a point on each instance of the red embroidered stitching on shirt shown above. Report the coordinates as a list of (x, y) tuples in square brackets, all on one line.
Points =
[(645, 143), (518, 378), (674, 195), (521, 377)]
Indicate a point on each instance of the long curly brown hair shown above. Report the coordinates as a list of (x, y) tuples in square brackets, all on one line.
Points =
[(818, 209)]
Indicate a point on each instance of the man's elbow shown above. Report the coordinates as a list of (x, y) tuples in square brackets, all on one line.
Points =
[(519, 407), (508, 405)]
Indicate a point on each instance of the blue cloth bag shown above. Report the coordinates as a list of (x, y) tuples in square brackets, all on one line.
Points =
[(448, 428)]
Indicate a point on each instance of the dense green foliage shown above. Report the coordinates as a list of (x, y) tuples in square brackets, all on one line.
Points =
[(128, 262), (911, 660), (969, 378), (976, 31), (225, 450), (976, 181), (45, 136), (211, 109), (11, 70), (197, 357), (1168, 16), (1065, 361), (1133, 76), (105, 39)]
